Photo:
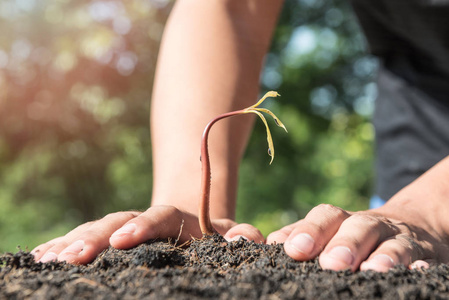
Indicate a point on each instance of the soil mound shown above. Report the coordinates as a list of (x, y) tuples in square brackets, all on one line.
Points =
[(209, 269)]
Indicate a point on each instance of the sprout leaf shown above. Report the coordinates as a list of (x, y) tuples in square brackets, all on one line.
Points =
[(258, 111)]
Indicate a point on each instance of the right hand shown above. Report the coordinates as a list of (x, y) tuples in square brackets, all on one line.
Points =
[(124, 230)]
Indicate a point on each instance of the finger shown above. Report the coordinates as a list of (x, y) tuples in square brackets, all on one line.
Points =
[(311, 234), (156, 222), (84, 243), (41, 250), (87, 245), (245, 231), (421, 264), (281, 235), (356, 238), (401, 249)]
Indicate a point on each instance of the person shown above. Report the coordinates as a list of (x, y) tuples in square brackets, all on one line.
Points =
[(210, 61)]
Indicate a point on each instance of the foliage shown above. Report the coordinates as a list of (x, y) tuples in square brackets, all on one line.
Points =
[(75, 86)]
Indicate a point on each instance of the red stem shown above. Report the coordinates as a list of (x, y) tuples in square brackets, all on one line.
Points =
[(204, 205)]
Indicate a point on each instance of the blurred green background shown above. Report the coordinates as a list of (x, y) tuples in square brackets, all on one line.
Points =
[(75, 92)]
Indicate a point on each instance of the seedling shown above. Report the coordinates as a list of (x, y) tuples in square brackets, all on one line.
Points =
[(204, 216)]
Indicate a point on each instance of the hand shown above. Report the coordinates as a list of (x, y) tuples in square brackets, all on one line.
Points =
[(370, 240), (125, 230)]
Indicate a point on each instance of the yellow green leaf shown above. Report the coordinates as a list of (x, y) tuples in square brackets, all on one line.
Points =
[(258, 111), (268, 94), (276, 119), (269, 138)]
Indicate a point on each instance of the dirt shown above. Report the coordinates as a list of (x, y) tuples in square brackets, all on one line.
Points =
[(209, 269)]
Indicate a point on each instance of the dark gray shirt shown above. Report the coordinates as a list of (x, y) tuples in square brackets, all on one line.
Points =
[(411, 38)]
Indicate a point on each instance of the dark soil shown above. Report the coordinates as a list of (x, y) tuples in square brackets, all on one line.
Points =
[(209, 268)]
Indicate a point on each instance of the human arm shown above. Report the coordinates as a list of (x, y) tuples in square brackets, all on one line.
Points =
[(218, 72), (209, 63), (411, 229)]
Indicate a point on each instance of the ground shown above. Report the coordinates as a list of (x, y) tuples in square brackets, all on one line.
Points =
[(209, 269)]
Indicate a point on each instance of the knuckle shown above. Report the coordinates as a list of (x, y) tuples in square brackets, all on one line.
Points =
[(408, 242), (166, 210), (325, 207), (325, 213), (111, 215), (131, 214), (329, 209), (173, 212), (405, 231), (87, 224), (119, 215), (369, 220)]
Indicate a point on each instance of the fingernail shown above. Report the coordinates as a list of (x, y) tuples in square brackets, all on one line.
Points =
[(382, 259), (303, 243), (74, 249), (342, 254), (379, 263), (236, 238), (49, 256), (128, 229)]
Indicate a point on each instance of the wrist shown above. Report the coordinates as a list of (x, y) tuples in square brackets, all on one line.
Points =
[(183, 192), (424, 202)]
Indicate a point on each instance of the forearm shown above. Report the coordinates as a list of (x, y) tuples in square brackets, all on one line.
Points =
[(209, 63)]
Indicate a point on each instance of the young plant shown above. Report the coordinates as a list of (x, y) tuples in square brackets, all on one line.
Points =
[(204, 216)]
